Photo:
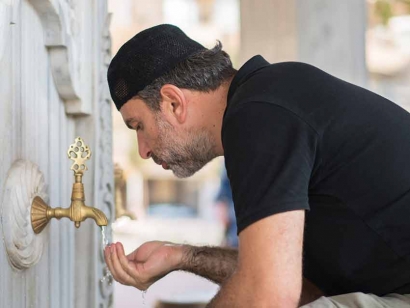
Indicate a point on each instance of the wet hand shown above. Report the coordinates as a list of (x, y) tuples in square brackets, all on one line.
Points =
[(144, 266)]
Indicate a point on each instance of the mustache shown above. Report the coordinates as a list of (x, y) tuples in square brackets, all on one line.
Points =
[(156, 159)]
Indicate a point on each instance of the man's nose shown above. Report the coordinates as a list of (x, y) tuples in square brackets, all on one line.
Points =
[(143, 148)]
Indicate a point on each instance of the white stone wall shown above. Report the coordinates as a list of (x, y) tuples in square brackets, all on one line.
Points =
[(53, 62)]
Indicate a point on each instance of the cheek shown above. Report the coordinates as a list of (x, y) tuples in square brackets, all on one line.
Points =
[(167, 145), (146, 135), (161, 144)]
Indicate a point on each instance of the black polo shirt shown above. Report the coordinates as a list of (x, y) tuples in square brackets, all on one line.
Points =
[(296, 137)]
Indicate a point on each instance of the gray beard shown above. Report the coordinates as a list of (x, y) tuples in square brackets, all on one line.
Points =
[(185, 156)]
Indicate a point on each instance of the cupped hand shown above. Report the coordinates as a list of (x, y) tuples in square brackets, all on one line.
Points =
[(145, 265)]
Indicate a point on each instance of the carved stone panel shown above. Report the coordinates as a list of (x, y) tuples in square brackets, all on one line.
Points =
[(24, 182), (106, 168), (63, 41)]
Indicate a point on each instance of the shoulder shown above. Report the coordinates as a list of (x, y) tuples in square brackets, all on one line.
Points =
[(287, 85), (287, 69), (276, 82)]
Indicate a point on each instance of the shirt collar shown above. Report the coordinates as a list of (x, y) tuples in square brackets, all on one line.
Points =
[(252, 65)]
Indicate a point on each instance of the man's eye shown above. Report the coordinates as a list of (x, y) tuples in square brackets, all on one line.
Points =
[(138, 127)]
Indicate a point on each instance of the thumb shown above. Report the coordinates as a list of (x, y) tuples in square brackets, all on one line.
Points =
[(142, 253)]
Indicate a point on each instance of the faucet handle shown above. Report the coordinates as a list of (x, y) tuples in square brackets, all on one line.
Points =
[(79, 152)]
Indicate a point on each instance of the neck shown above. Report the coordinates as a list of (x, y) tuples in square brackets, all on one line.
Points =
[(209, 111), (220, 99)]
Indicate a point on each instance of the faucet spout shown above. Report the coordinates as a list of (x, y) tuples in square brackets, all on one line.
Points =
[(93, 213), (79, 211)]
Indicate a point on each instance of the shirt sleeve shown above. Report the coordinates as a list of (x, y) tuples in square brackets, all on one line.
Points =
[(269, 155)]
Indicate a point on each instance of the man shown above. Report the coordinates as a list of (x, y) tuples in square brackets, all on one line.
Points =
[(311, 159)]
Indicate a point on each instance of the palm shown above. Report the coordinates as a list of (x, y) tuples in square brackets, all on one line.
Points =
[(153, 260)]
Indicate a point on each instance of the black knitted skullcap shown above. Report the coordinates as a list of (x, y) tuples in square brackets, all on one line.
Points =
[(148, 55)]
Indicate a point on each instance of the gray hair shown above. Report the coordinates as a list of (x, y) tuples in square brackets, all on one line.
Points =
[(204, 71)]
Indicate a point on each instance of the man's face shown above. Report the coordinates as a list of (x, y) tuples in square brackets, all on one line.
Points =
[(184, 151)]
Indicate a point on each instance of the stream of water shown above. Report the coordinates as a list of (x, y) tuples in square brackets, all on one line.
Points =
[(108, 276)]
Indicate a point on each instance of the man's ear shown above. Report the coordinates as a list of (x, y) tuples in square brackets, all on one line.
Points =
[(174, 103)]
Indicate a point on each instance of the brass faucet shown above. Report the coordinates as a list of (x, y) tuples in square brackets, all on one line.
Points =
[(41, 213), (120, 195)]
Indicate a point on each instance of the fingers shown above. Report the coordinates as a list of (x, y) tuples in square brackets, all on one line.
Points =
[(107, 256), (124, 262), (120, 274), (141, 281), (115, 267), (143, 267)]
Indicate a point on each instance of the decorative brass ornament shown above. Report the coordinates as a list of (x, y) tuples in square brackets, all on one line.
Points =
[(79, 153), (41, 213)]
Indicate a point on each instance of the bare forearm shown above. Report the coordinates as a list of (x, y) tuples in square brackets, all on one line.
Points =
[(214, 263), (219, 264)]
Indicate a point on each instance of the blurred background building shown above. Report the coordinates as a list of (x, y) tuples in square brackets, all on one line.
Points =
[(363, 42)]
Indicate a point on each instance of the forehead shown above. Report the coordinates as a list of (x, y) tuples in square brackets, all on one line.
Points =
[(135, 109)]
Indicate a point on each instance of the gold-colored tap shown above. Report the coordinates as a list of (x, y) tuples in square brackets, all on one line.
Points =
[(41, 213), (120, 195)]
